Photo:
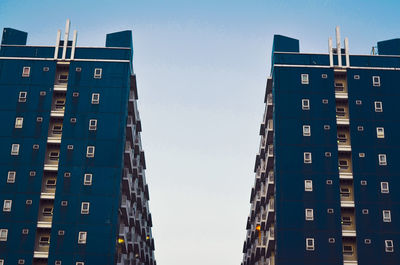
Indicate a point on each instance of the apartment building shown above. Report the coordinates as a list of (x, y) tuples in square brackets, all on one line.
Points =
[(72, 169), (326, 187)]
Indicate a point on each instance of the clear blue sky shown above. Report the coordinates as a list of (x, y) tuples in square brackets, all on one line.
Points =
[(201, 69)]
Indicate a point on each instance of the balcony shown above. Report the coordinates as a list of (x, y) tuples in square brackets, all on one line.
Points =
[(128, 156), (341, 90), (41, 254), (60, 87), (270, 241), (270, 211), (271, 183), (342, 114), (348, 223), (125, 209), (58, 107), (123, 231)]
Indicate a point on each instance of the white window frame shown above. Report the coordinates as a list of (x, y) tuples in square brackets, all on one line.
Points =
[(380, 132), (308, 185), (22, 96), (305, 104), (386, 216), (3, 234), (19, 122), (376, 81), (92, 127), (82, 237), (309, 214), (83, 206), (382, 159), (306, 130), (11, 176), (94, 100), (7, 205), (1, 261), (87, 179), (305, 79), (90, 151), (97, 73), (15, 149), (385, 187), (80, 263), (307, 157), (378, 106), (310, 244), (348, 253), (26, 71), (389, 246)]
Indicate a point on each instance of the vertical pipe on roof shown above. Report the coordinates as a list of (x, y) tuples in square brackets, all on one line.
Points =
[(57, 44), (346, 46), (74, 45), (330, 52), (338, 49), (66, 36)]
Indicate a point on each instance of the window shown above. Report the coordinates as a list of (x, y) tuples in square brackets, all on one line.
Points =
[(85, 208), (64, 203), (380, 132), (361, 155), (305, 104), (308, 186), (35, 146), (70, 147), (26, 71), (358, 102), (343, 165), (324, 76), (310, 244), (307, 158), (346, 220), (61, 232), (73, 120), (331, 240), (3, 234), (363, 182), (58, 262), (46, 69), (92, 125), (22, 96), (7, 205), (57, 129), (39, 119), (67, 174), (82, 237), (42, 93), (54, 155), (328, 154), (11, 176), (97, 73), (324, 101), (78, 69), (47, 211), (28, 202), (32, 173), (365, 211), (376, 81), (1, 261), (382, 159), (25, 231), (90, 151), (75, 94), (348, 250), (14, 149), (21, 261), (87, 179), (367, 241), (386, 216), (327, 127), (51, 183), (306, 130), (330, 210), (389, 246), (356, 77), (63, 78), (378, 106), (95, 98), (19, 122), (77, 263), (328, 182), (44, 241), (344, 192), (309, 214), (384, 187), (304, 79)]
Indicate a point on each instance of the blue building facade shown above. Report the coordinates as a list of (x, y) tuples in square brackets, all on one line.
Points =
[(325, 189), (73, 186)]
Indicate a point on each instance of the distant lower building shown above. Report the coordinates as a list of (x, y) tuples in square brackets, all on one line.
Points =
[(326, 188), (72, 188)]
